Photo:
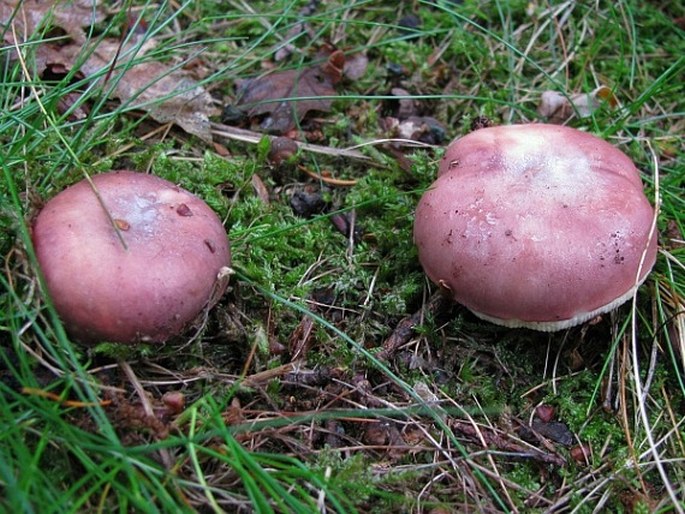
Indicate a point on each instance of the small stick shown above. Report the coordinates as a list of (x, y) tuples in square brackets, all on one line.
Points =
[(249, 136)]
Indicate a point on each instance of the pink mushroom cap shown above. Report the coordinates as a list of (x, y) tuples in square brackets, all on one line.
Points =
[(150, 290), (538, 226)]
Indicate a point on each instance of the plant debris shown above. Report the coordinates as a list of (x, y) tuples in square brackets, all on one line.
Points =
[(122, 68), (287, 96), (558, 108), (167, 94), (24, 19), (405, 328)]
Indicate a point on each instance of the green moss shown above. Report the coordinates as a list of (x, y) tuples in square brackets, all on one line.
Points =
[(123, 352), (354, 478)]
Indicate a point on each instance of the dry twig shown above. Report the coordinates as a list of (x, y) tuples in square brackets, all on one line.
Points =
[(249, 136)]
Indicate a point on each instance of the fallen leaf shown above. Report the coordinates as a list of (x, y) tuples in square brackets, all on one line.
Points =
[(26, 20), (307, 202), (376, 434), (221, 150), (167, 94), (234, 413), (325, 176), (558, 108), (26, 17), (162, 90), (287, 96), (545, 413), (553, 430), (487, 436)]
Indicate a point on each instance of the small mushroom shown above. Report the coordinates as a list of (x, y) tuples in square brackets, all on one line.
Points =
[(537, 226), (138, 266)]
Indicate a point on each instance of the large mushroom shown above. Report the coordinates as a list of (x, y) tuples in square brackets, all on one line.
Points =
[(538, 226), (137, 264)]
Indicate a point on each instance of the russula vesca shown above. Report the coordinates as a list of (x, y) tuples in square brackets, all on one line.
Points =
[(538, 226), (149, 290)]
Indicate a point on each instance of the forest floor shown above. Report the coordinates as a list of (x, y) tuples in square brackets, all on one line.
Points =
[(332, 376)]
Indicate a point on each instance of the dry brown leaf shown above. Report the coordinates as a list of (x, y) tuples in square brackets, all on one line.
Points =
[(159, 89), (22, 20), (184, 103), (26, 17), (166, 93), (558, 108), (277, 94)]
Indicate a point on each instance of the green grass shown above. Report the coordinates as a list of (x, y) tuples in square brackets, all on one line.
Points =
[(344, 430)]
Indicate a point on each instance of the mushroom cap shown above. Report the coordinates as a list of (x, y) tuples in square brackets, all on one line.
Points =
[(149, 291), (538, 226)]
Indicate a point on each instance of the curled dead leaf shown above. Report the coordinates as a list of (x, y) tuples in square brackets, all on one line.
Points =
[(545, 413), (165, 92), (558, 108), (169, 96), (162, 90), (27, 16)]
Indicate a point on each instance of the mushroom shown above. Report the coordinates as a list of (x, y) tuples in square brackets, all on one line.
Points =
[(139, 263), (538, 226)]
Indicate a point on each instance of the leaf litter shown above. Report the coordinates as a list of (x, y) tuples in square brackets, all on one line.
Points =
[(287, 96), (164, 91), (558, 108)]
